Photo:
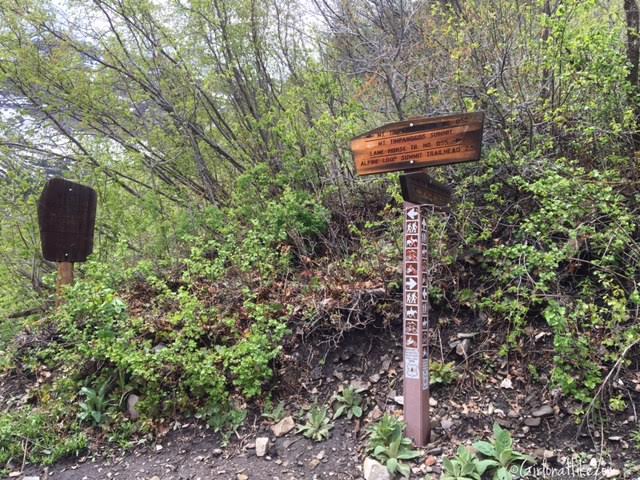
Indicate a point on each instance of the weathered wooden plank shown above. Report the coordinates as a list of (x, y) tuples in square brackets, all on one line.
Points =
[(419, 188), (67, 215), (418, 143)]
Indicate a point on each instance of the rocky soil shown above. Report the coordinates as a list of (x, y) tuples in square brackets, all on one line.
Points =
[(486, 391)]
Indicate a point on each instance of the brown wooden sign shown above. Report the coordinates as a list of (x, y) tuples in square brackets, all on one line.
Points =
[(67, 215), (419, 188), (419, 143)]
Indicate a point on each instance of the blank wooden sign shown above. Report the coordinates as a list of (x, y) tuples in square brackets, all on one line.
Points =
[(67, 216)]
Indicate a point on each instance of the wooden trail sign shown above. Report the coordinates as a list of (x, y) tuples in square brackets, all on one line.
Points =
[(421, 189), (67, 216), (411, 145), (419, 143)]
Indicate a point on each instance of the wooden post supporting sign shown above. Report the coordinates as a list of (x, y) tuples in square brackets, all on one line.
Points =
[(412, 145), (65, 277), (416, 325)]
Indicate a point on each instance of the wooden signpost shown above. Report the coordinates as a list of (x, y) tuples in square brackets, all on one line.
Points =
[(419, 188), (419, 143), (66, 215), (410, 145)]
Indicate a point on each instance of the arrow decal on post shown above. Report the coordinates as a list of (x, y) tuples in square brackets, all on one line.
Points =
[(412, 213), (411, 283)]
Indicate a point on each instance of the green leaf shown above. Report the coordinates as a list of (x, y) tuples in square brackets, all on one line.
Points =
[(503, 439), (392, 465), (503, 474), (357, 410), (379, 450), (505, 457), (404, 470), (409, 454), (483, 465), (448, 466), (485, 448)]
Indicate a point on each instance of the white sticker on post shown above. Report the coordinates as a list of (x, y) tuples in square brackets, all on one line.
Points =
[(425, 374), (411, 363)]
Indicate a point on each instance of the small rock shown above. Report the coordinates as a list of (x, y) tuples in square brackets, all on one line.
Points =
[(611, 472), (399, 399), (320, 455), (385, 363), (375, 378), (216, 452), (158, 448), (615, 438), (593, 463), (31, 478), (262, 444), (532, 422), (466, 335), (14, 474), (339, 375), (375, 414), (242, 476), (549, 455), (360, 385), (433, 402), (132, 400), (431, 460), (155, 477), (446, 423), (314, 463), (525, 429), (374, 470), (283, 427), (506, 384), (462, 348), (543, 411)]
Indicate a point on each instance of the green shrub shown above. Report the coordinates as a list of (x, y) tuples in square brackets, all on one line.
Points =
[(36, 436), (388, 444), (317, 424)]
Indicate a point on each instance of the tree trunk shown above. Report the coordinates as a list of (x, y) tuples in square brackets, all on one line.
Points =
[(633, 56)]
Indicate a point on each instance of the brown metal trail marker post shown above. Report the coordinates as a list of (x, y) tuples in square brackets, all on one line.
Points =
[(66, 216), (410, 145)]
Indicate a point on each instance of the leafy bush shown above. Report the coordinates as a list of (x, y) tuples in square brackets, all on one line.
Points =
[(93, 408), (349, 404), (318, 424), (274, 413), (36, 436), (388, 444), (442, 372), (190, 360), (499, 460)]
